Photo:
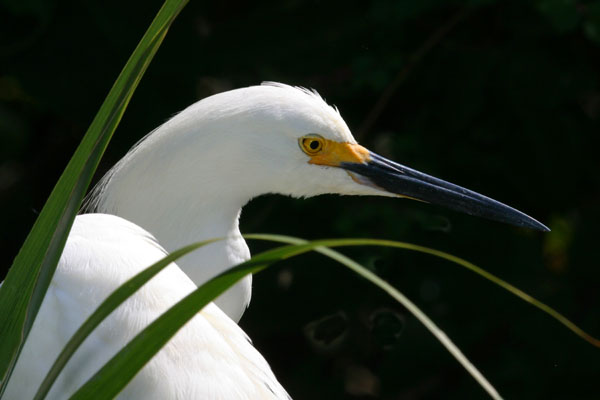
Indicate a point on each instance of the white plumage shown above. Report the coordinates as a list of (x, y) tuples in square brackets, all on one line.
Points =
[(186, 182), (210, 358)]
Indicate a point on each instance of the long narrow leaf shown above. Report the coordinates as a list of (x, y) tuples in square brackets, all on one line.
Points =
[(420, 315), (398, 296), (118, 371), (456, 260), (29, 277), (112, 302)]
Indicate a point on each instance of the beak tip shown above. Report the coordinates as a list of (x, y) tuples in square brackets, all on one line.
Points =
[(544, 228), (406, 182), (538, 226)]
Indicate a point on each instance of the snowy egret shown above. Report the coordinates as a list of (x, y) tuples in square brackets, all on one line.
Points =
[(188, 181)]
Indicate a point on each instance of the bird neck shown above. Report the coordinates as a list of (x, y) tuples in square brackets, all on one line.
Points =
[(181, 202)]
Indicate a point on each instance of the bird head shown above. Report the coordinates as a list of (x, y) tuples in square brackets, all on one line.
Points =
[(273, 138), (294, 143)]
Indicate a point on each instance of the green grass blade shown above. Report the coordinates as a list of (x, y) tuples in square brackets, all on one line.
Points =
[(119, 370), (420, 315), (112, 302), (456, 260), (398, 296), (27, 281)]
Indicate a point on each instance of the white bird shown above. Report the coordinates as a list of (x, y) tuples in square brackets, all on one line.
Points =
[(185, 182)]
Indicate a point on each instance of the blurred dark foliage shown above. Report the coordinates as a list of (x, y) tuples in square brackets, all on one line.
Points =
[(502, 97)]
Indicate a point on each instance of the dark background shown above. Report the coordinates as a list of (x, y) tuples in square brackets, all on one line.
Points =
[(502, 97)]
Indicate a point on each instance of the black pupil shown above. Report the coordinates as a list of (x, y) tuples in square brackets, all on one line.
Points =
[(314, 144)]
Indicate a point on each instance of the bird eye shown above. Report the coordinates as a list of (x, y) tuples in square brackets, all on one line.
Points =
[(311, 144)]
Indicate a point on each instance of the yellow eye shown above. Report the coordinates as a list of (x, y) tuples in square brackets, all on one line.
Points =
[(311, 144)]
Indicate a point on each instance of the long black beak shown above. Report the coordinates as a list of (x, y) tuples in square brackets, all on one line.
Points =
[(404, 181)]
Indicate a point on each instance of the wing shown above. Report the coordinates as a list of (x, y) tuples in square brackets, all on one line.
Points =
[(209, 358)]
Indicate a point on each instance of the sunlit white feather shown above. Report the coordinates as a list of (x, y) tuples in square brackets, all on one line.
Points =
[(210, 358)]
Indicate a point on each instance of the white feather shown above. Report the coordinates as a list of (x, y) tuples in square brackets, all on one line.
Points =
[(209, 358)]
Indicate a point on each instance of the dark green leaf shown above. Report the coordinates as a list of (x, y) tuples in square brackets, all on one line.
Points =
[(29, 277), (111, 303), (119, 370)]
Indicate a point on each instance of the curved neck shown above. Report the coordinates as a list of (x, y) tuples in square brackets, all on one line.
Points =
[(180, 203)]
